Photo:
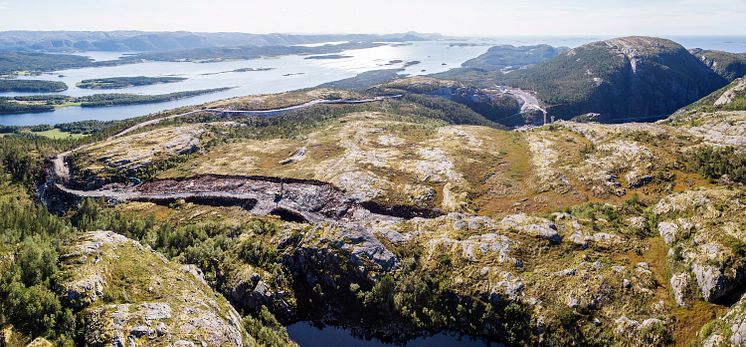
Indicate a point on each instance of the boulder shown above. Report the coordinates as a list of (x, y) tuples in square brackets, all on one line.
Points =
[(680, 286), (249, 289), (533, 226)]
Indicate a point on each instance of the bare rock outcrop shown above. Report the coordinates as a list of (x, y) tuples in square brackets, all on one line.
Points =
[(729, 329), (132, 296), (533, 226), (702, 229)]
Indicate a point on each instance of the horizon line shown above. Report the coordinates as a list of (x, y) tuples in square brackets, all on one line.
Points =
[(372, 33)]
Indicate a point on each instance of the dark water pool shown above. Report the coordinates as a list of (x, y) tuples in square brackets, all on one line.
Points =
[(308, 335)]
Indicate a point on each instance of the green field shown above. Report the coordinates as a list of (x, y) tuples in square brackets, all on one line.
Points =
[(58, 134)]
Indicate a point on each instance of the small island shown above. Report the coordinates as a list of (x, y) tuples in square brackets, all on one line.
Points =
[(329, 57), (244, 69), (48, 103), (31, 86), (125, 82), (406, 64)]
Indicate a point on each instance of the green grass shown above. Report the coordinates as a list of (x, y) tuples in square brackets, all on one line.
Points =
[(68, 104), (58, 134)]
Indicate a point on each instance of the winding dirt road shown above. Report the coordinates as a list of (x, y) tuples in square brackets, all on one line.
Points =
[(265, 113), (295, 200)]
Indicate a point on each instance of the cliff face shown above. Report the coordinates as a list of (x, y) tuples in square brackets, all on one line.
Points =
[(728, 65), (631, 77)]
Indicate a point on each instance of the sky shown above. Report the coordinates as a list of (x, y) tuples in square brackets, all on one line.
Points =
[(449, 17)]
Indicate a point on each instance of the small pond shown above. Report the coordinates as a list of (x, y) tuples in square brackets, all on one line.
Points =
[(306, 334)]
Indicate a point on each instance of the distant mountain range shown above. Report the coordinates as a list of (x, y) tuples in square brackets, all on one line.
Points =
[(122, 41)]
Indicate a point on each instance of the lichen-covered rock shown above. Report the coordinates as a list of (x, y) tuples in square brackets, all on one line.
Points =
[(711, 281), (362, 246), (668, 231), (705, 230), (250, 288), (141, 299), (680, 286), (490, 245), (40, 342), (509, 286), (601, 170), (533, 226), (133, 152), (649, 332), (727, 330)]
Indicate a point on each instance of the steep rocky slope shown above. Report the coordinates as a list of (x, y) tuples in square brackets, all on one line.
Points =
[(728, 65), (132, 296), (502, 105)]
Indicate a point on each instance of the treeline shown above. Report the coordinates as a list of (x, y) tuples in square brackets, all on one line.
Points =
[(31, 238), (13, 129), (512, 57), (23, 61), (50, 99), (31, 103), (446, 110), (22, 157), (31, 86), (47, 103), (86, 127), (249, 52), (305, 120), (30, 241), (125, 82), (364, 80), (717, 163), (10, 107)]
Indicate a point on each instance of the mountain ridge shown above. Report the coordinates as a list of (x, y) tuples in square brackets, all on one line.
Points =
[(624, 78), (144, 41)]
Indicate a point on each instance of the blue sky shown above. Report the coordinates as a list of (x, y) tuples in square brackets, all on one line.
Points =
[(454, 17)]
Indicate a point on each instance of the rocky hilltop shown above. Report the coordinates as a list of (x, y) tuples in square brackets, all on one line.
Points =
[(419, 213), (132, 296), (625, 78)]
